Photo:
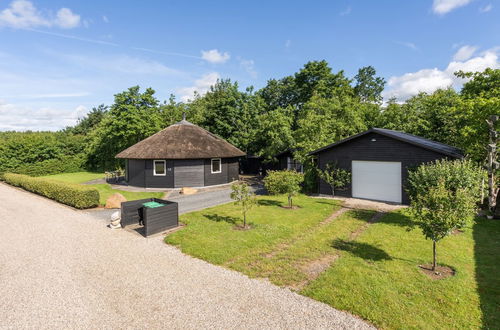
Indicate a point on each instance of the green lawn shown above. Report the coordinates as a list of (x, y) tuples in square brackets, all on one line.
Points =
[(211, 235), (78, 177), (105, 190), (374, 276)]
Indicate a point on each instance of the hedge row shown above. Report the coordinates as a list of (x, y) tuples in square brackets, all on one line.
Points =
[(76, 195)]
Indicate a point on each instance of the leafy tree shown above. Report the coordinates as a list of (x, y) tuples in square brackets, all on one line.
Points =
[(439, 211), (284, 182), (274, 133), (172, 111), (484, 84), (335, 177), (326, 120), (229, 113), (89, 122), (443, 197), (368, 87), (133, 117), (244, 198)]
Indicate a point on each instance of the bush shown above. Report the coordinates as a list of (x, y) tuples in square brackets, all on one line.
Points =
[(456, 174), (76, 195), (64, 164), (284, 182)]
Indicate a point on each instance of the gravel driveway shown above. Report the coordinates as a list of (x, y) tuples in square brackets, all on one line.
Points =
[(64, 269)]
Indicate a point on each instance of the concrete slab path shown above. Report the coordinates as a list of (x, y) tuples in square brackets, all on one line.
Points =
[(60, 268)]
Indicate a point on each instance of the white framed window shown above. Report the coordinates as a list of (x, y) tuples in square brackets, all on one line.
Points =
[(159, 167), (216, 165)]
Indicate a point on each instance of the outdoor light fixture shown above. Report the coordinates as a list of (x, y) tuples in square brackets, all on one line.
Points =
[(374, 139)]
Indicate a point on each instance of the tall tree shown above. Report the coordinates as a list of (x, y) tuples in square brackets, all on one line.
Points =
[(89, 121), (368, 86), (132, 117)]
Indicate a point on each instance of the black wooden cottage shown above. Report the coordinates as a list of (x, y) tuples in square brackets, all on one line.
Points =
[(286, 161), (379, 160), (181, 155)]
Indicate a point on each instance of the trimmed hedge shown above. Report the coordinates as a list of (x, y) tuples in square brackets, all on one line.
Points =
[(76, 195)]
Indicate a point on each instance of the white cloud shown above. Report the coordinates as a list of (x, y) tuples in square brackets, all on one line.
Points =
[(119, 63), (22, 14), (442, 7), (248, 66), (346, 11), (201, 86), (214, 56), (21, 118), (464, 53), (66, 19), (105, 19), (409, 45), (429, 80), (486, 8), (288, 43)]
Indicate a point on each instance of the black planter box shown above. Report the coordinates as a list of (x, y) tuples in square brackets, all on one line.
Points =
[(155, 219)]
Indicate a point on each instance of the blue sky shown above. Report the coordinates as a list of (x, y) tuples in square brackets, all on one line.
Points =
[(58, 59)]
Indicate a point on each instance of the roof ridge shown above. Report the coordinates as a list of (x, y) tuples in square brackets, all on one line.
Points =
[(416, 136)]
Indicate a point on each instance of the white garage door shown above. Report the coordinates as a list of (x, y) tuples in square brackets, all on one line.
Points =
[(376, 180)]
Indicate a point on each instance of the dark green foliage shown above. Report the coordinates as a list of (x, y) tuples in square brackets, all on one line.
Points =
[(76, 195), (455, 175), (40, 153), (86, 124), (443, 197), (62, 164), (483, 84), (284, 182), (368, 87), (133, 117)]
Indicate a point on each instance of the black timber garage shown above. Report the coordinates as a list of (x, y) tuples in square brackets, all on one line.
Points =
[(379, 160)]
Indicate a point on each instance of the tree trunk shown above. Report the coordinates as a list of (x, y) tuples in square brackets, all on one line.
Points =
[(244, 219), (289, 201), (434, 256), (333, 190)]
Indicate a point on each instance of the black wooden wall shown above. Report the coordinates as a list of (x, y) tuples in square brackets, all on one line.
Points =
[(181, 173), (383, 149)]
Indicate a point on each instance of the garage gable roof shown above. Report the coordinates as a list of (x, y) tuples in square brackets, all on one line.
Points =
[(404, 137)]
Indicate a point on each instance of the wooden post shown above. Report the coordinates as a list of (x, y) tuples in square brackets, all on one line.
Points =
[(492, 164)]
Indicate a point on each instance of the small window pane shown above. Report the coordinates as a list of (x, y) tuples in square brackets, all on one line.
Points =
[(159, 167), (216, 166)]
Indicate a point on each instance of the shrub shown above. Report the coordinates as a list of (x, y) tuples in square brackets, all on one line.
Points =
[(443, 197), (63, 164), (456, 174), (284, 182), (72, 194)]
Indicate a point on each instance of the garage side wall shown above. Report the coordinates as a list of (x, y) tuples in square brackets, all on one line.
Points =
[(383, 149)]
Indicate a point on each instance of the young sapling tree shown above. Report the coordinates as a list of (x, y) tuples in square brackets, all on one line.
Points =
[(335, 177), (244, 197)]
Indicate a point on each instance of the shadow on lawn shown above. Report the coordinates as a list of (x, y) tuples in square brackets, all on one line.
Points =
[(269, 202), (396, 218), (486, 235), (361, 250), (220, 218)]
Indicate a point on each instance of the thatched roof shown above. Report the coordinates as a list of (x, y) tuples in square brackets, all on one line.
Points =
[(182, 140)]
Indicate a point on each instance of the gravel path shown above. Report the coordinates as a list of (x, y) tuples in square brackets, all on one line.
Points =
[(64, 269)]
